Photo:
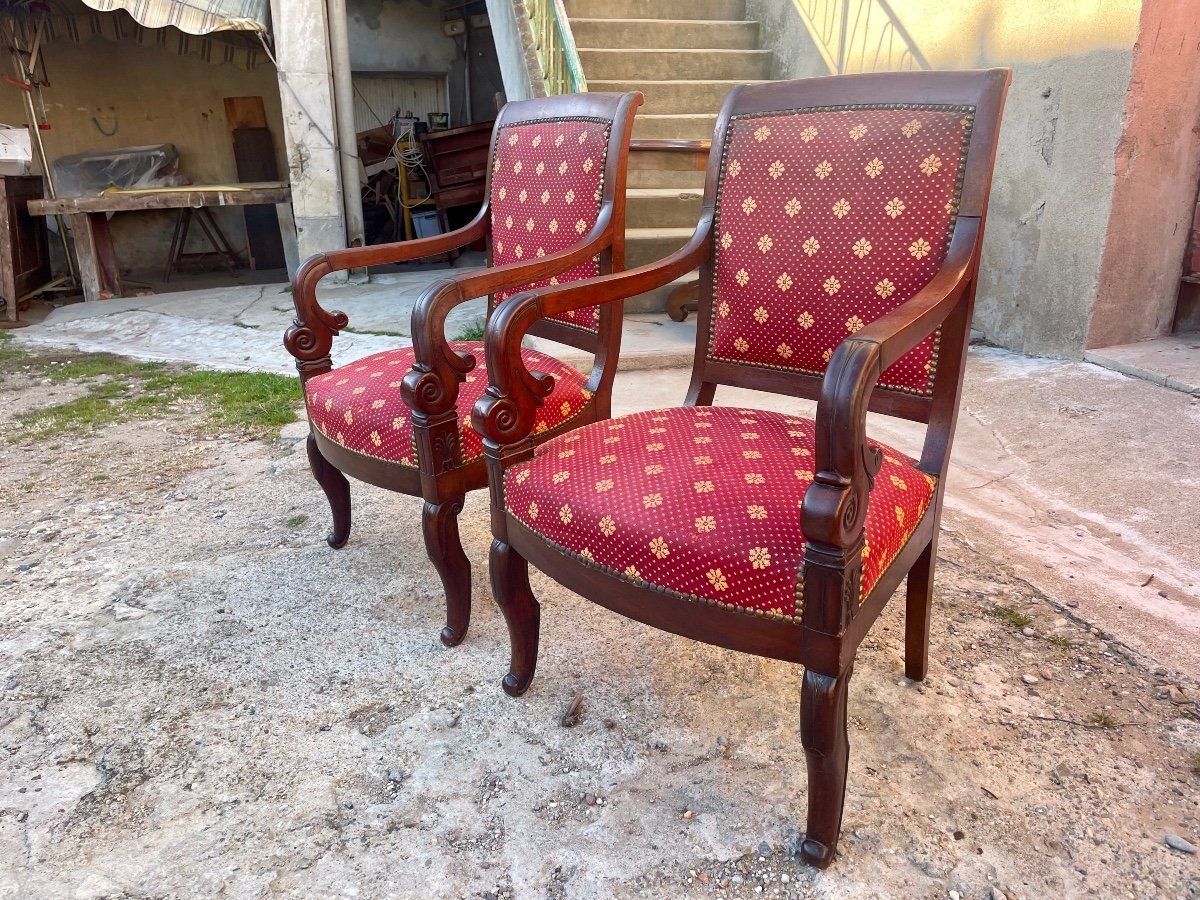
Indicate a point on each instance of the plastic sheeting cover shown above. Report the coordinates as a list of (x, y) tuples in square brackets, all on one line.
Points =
[(87, 174)]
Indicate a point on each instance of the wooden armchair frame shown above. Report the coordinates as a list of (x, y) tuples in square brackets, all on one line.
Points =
[(431, 388), (835, 618)]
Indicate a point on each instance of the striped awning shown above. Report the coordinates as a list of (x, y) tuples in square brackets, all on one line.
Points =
[(193, 16)]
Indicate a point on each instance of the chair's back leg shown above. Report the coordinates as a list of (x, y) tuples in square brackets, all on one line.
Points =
[(522, 614), (439, 522), (827, 752), (918, 599), (337, 490)]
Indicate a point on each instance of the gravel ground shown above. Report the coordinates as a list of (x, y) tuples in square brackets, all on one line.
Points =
[(198, 698)]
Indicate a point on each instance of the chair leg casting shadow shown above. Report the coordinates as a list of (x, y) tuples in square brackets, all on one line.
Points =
[(838, 249)]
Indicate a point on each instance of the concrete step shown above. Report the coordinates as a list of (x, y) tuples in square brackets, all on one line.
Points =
[(727, 10), (672, 97), (685, 127), (645, 245), (654, 178), (655, 301), (661, 65), (662, 208), (665, 33)]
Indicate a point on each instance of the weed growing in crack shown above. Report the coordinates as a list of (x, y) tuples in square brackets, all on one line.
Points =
[(472, 332), (1011, 617), (1102, 720)]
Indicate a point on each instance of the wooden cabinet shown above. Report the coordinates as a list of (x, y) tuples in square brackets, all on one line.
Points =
[(24, 247), (457, 160)]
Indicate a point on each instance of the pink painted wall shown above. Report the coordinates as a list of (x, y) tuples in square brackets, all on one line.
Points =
[(1156, 167)]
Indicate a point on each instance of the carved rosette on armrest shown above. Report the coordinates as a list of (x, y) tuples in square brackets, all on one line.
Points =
[(835, 506), (506, 413)]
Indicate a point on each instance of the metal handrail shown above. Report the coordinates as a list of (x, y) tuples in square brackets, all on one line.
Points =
[(554, 43), (860, 36)]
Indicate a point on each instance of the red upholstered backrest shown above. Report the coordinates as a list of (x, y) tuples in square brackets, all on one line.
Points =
[(827, 219), (547, 181)]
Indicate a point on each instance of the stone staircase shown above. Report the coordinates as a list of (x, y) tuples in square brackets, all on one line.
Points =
[(684, 55)]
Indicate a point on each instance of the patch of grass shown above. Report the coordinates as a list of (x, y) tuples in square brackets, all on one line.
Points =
[(258, 403), (254, 403), (472, 332), (1011, 617), (1196, 763), (1102, 720), (7, 353), (74, 415), (376, 331), (100, 477), (97, 365), (1063, 643), (296, 521), (239, 324)]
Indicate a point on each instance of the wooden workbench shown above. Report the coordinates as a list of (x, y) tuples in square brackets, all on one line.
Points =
[(98, 270)]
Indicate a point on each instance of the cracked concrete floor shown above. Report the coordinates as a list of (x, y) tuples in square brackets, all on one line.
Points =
[(201, 699)]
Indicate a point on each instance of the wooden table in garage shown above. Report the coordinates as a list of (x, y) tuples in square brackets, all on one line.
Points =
[(98, 270)]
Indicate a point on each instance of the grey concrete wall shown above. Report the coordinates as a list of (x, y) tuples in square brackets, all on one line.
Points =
[(1051, 199), (153, 96), (781, 29), (1053, 186), (405, 36)]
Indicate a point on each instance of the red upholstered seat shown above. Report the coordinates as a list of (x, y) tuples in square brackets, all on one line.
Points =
[(359, 406), (703, 502)]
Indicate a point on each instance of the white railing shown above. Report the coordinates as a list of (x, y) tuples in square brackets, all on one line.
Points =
[(860, 36)]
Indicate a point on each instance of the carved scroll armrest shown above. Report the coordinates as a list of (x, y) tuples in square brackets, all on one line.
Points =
[(845, 464), (431, 387), (310, 337), (506, 412)]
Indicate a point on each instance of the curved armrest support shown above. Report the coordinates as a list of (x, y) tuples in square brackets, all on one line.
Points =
[(310, 337), (506, 412), (431, 387), (845, 464)]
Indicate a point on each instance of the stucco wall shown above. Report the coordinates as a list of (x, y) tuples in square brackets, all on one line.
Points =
[(151, 96), (1157, 165), (1054, 181)]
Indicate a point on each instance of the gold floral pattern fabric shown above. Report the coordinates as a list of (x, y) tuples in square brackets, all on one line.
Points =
[(359, 406), (828, 219), (703, 502), (547, 179)]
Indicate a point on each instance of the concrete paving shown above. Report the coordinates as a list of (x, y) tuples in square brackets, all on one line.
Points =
[(1172, 361), (1082, 479), (241, 327)]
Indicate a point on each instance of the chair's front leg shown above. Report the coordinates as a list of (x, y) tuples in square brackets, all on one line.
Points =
[(439, 523), (522, 614), (337, 491), (827, 752), (918, 599)]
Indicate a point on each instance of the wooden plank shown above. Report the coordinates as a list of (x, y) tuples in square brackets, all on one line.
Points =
[(194, 196), (245, 112), (254, 156)]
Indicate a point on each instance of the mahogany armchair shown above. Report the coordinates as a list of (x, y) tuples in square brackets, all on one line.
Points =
[(554, 213), (838, 248)]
